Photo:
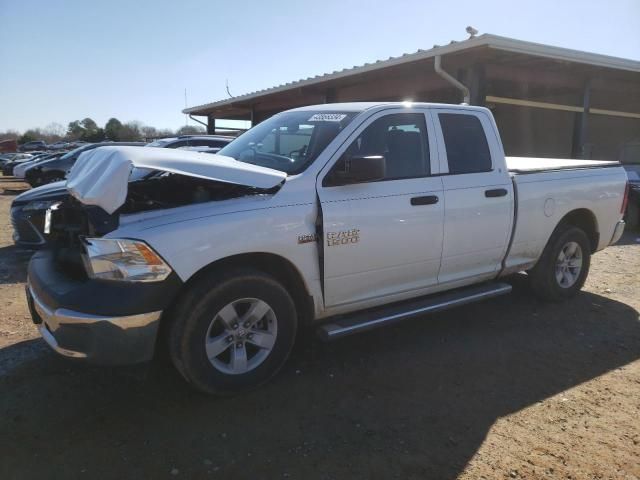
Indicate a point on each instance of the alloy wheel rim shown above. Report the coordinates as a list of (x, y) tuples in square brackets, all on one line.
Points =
[(241, 336), (569, 264)]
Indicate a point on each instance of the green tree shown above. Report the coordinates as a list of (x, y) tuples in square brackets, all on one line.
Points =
[(86, 129), (92, 133), (75, 130), (28, 136), (189, 130), (112, 129), (131, 132)]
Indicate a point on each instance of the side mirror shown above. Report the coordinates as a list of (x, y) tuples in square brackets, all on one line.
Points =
[(358, 169)]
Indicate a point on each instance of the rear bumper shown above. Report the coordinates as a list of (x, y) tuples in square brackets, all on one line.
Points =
[(617, 232), (103, 322)]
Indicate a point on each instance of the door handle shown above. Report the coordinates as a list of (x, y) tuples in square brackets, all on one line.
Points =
[(496, 192), (426, 200)]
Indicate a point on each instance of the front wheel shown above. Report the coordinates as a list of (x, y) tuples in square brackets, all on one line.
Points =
[(232, 332), (564, 265)]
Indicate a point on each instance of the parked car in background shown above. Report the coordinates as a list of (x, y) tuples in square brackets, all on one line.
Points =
[(8, 166), (20, 170), (8, 157), (346, 217), (31, 146), (54, 170), (34, 156), (213, 141), (28, 213), (28, 210), (61, 145)]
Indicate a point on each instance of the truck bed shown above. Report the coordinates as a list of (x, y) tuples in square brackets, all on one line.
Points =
[(524, 165)]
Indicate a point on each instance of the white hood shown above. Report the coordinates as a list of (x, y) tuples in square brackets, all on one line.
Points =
[(100, 176)]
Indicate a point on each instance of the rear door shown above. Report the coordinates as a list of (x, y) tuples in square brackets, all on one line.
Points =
[(384, 238), (478, 195)]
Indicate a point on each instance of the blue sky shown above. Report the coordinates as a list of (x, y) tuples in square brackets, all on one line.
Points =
[(65, 60)]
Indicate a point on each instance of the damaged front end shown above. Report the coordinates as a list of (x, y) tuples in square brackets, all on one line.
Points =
[(101, 298), (110, 182)]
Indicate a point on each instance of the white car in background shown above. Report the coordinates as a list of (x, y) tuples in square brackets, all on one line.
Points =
[(20, 170)]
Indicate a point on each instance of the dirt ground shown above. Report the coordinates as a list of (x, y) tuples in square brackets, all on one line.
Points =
[(509, 388)]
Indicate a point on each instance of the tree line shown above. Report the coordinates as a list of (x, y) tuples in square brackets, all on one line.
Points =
[(89, 131)]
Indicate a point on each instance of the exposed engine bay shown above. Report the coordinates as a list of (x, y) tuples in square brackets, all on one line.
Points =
[(170, 190), (71, 221)]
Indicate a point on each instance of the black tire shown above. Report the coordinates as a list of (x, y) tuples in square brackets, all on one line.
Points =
[(194, 313), (543, 276), (52, 177), (633, 214)]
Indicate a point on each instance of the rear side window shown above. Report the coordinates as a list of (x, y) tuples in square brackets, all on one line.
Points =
[(465, 142)]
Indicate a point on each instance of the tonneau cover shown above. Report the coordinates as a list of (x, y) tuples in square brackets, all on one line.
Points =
[(101, 176), (531, 164)]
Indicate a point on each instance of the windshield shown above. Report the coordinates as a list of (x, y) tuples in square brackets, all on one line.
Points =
[(160, 143), (290, 141), (74, 153)]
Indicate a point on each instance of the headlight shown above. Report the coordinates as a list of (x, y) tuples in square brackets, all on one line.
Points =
[(124, 260), (39, 205)]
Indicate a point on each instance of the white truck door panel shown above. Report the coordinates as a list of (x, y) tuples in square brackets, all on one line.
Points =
[(384, 237), (478, 196)]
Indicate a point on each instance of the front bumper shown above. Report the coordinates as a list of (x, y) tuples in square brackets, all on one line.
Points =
[(104, 340), (617, 232), (103, 322)]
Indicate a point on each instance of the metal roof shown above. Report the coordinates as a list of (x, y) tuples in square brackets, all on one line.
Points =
[(487, 40)]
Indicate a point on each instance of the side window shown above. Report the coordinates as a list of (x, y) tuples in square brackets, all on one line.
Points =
[(180, 143), (199, 142), (208, 142), (401, 138), (465, 142)]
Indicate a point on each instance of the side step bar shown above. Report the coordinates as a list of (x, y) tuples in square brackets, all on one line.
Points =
[(362, 321)]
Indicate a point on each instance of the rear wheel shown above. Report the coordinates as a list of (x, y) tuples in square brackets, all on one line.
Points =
[(633, 214), (232, 332), (564, 265)]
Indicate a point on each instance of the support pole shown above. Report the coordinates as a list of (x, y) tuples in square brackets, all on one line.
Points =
[(580, 147), (478, 85)]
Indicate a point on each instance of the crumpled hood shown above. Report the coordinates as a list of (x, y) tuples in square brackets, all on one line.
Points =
[(100, 176)]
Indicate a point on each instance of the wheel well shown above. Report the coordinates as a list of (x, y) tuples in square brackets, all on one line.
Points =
[(278, 267), (586, 221)]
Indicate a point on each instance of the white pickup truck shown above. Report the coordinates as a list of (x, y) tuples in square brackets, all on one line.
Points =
[(341, 216)]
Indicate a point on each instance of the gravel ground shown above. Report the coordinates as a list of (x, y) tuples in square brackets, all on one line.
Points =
[(509, 388)]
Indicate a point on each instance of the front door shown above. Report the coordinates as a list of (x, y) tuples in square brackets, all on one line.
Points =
[(383, 239)]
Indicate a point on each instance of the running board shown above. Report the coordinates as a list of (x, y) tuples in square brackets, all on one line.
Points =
[(362, 321)]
